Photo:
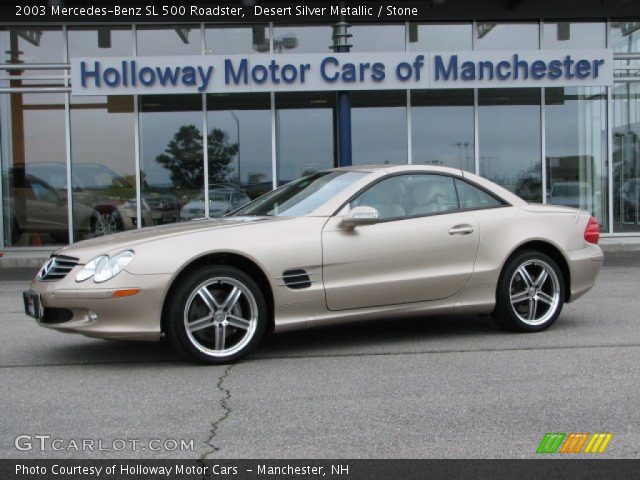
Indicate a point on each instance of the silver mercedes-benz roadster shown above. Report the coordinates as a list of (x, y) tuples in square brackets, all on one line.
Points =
[(336, 246)]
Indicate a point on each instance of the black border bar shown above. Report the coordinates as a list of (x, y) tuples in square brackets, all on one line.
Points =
[(236, 11), (316, 469)]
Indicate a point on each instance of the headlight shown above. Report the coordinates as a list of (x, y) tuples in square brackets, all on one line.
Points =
[(112, 267), (90, 268)]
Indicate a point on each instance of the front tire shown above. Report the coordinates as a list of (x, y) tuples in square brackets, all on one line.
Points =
[(216, 315), (530, 293)]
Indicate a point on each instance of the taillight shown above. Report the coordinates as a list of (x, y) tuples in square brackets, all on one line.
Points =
[(592, 231)]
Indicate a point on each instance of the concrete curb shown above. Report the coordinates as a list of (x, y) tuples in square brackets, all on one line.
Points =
[(622, 245), (24, 258)]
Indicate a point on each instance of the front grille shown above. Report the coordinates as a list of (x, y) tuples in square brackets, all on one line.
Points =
[(296, 279), (56, 268)]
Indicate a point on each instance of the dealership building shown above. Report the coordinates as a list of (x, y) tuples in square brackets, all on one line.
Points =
[(113, 127)]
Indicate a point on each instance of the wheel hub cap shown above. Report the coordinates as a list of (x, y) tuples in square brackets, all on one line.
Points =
[(220, 316), (535, 292)]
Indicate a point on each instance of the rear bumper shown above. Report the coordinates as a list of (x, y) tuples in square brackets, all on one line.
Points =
[(584, 265), (95, 313)]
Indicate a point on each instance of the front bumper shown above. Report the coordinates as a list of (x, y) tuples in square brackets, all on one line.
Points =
[(584, 265), (94, 311)]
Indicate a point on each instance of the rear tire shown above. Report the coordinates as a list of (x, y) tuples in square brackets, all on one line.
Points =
[(530, 293), (216, 315)]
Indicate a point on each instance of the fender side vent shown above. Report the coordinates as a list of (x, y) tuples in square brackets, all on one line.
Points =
[(296, 279)]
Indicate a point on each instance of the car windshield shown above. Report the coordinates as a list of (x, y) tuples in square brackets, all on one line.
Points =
[(95, 177), (301, 196)]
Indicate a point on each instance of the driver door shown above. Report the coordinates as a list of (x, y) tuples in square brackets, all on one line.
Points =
[(422, 249)]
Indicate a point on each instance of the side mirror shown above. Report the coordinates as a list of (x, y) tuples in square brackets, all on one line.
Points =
[(360, 216)]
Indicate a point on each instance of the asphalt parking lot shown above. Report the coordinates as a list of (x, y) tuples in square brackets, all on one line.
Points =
[(446, 387)]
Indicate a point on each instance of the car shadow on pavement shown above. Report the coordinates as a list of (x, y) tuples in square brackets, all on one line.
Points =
[(373, 335), (93, 351), (383, 335)]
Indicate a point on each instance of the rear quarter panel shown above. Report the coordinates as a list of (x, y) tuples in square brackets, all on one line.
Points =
[(503, 230)]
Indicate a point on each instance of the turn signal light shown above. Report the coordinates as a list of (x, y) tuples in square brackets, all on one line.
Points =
[(592, 231), (128, 292)]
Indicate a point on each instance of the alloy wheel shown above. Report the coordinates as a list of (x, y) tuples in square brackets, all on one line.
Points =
[(534, 292), (220, 316)]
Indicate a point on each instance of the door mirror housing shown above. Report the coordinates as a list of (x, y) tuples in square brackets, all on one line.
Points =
[(360, 216)]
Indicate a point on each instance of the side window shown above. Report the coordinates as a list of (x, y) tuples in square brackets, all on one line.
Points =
[(409, 195), (472, 197)]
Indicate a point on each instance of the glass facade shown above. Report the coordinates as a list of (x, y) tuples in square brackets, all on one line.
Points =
[(440, 36), (509, 132), (240, 144), (379, 127), (442, 128), (69, 164), (302, 39), (172, 153), (304, 134), (34, 177), (103, 172), (625, 141), (576, 156), (236, 39), (498, 36)]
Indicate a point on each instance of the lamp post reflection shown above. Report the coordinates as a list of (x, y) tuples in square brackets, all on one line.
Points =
[(235, 118)]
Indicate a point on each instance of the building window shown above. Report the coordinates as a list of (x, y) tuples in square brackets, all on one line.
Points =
[(565, 35), (381, 37), (239, 149), (626, 157), (302, 39), (576, 143), (512, 36), (379, 127), (169, 40), (304, 133), (442, 128), (34, 171), (103, 177), (236, 39), (439, 36), (32, 44), (509, 137), (172, 157), (625, 38), (100, 41)]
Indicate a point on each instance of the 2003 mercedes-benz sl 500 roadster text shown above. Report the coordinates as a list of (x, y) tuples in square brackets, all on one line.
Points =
[(341, 245)]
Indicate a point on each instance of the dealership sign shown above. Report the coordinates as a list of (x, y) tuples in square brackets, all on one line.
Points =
[(340, 71)]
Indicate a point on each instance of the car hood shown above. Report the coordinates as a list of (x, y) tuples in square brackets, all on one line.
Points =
[(88, 249)]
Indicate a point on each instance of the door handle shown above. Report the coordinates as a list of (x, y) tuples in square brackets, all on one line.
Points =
[(461, 230)]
